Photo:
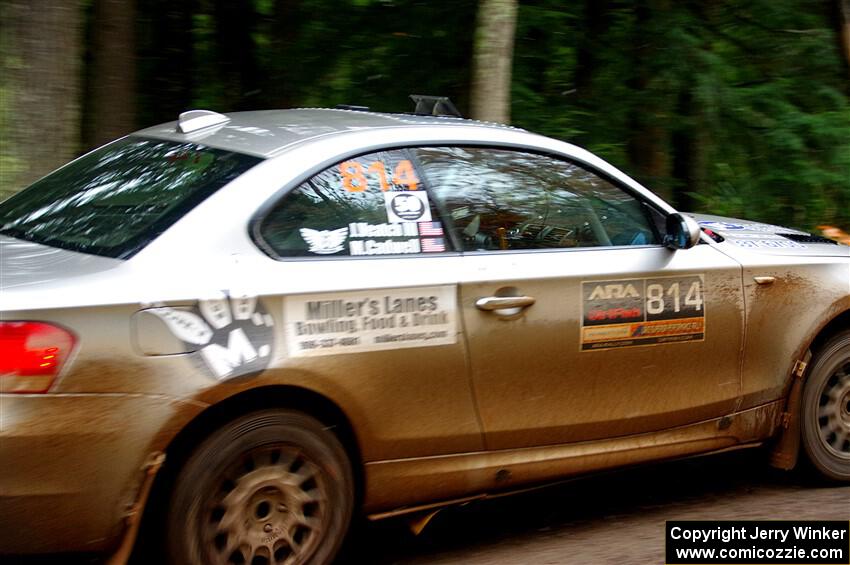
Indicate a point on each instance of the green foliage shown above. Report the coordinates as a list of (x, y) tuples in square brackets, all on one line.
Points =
[(742, 103), (738, 107)]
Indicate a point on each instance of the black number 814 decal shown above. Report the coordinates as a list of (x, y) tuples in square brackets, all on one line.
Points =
[(670, 298)]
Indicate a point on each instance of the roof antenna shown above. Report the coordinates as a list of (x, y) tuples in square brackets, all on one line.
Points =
[(194, 120), (434, 106), (351, 107)]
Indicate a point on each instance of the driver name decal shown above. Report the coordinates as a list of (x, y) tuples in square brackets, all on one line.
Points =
[(328, 324), (625, 313)]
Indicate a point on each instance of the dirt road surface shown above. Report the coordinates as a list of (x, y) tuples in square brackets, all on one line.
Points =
[(615, 518)]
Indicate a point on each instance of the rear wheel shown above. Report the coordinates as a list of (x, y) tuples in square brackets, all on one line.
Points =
[(270, 488), (826, 410)]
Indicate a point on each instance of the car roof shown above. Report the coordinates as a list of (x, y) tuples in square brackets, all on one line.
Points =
[(265, 133)]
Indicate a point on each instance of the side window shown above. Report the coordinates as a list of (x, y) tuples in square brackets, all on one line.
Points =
[(374, 204), (501, 200)]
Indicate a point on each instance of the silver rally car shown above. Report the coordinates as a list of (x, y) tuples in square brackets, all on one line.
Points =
[(242, 330)]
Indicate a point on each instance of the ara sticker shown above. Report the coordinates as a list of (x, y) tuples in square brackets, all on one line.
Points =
[(407, 207), (624, 313), (324, 242), (229, 336), (328, 324)]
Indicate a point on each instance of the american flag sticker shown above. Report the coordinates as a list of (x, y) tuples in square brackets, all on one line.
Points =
[(430, 229), (432, 244)]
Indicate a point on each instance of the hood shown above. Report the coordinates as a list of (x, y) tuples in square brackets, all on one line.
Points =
[(768, 239)]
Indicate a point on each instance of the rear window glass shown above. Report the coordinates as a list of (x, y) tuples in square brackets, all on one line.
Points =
[(117, 199)]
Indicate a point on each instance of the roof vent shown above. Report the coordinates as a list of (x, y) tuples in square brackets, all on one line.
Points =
[(434, 106), (194, 120)]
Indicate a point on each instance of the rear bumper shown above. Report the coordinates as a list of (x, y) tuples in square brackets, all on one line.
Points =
[(71, 466)]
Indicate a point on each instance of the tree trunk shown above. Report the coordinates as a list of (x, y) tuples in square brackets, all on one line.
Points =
[(168, 70), (492, 60), (596, 20), (40, 90), (688, 149), (285, 66), (112, 80), (236, 54), (844, 31), (648, 141)]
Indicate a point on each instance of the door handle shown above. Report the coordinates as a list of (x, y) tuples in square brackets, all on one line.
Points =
[(490, 303)]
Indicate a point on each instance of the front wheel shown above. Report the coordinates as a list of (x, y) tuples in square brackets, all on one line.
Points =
[(270, 488), (826, 410)]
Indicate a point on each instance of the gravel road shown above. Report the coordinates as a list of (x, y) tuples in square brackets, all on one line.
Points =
[(615, 518)]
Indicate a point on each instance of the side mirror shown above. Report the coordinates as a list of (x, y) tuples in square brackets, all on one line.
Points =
[(682, 232)]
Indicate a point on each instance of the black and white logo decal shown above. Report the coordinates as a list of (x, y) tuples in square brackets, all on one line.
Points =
[(235, 334), (411, 206), (324, 242)]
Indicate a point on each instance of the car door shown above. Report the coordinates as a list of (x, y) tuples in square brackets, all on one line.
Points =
[(580, 324), (370, 308)]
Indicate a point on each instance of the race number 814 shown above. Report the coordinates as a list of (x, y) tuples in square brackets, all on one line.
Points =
[(675, 297)]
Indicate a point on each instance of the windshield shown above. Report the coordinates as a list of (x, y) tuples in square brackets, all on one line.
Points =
[(118, 198)]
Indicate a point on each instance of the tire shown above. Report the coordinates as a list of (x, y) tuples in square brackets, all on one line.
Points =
[(826, 410), (271, 487)]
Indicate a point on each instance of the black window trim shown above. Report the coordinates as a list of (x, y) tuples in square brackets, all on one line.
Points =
[(256, 220), (645, 206)]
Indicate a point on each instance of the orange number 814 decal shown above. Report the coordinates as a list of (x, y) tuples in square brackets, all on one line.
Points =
[(354, 177)]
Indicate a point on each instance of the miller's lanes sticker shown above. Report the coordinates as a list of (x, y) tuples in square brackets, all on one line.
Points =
[(630, 312), (349, 322)]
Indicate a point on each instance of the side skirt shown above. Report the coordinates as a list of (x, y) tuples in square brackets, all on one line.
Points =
[(403, 486)]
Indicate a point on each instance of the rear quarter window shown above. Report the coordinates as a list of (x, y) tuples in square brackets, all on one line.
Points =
[(118, 198), (371, 205)]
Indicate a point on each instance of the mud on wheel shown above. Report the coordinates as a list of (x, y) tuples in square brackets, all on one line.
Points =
[(826, 409), (270, 488)]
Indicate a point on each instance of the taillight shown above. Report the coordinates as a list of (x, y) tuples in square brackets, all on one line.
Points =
[(31, 355)]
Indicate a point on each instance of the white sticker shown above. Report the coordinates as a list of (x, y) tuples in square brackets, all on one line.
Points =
[(185, 326), (324, 242), (410, 206), (217, 312), (766, 244), (328, 324), (236, 334), (363, 229), (386, 247), (746, 226), (722, 226)]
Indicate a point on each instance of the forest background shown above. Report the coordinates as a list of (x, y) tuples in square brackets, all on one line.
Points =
[(738, 107)]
